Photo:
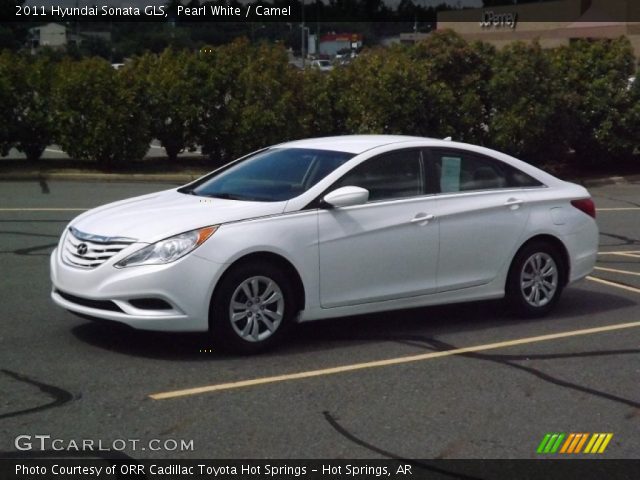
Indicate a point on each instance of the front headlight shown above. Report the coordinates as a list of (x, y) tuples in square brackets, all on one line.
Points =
[(168, 250)]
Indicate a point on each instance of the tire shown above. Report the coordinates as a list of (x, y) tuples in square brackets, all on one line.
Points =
[(239, 323), (537, 267)]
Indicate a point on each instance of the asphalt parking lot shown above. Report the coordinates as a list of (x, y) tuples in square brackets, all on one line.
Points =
[(376, 386)]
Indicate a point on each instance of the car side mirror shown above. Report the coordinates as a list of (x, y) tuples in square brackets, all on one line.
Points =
[(346, 197)]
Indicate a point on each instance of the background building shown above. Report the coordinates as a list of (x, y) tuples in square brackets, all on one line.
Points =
[(552, 23), (333, 43), (55, 35), (51, 35)]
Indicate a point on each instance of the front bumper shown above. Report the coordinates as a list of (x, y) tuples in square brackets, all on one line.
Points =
[(105, 292)]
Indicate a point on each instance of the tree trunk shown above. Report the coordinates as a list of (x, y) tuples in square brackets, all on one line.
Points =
[(33, 152), (172, 149)]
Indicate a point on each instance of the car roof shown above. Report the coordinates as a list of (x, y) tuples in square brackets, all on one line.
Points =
[(358, 144), (352, 143)]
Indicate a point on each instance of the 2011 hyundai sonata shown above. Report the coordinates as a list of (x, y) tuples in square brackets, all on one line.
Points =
[(328, 227)]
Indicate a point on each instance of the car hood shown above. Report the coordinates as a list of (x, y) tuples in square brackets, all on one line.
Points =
[(152, 217)]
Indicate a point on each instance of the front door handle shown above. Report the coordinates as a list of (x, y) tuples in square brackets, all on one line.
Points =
[(514, 203), (423, 218)]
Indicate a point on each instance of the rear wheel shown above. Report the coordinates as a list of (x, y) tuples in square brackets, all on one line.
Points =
[(535, 280), (252, 308)]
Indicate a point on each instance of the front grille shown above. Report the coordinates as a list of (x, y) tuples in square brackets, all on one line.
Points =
[(88, 302), (85, 250)]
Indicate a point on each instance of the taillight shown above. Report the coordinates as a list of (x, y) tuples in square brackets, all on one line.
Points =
[(585, 205)]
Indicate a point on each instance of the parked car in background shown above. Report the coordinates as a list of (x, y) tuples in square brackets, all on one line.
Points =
[(322, 65), (324, 228)]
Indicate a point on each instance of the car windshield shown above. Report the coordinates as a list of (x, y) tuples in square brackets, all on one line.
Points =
[(272, 175)]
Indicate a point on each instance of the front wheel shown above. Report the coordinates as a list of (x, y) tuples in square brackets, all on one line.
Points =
[(535, 283), (252, 308)]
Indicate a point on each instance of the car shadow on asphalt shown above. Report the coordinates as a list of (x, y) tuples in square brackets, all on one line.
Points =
[(345, 332)]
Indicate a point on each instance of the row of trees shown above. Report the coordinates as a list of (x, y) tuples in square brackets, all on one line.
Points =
[(536, 104)]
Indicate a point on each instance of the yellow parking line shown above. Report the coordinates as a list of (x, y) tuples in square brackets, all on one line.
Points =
[(617, 209), (388, 362), (615, 270), (621, 252), (614, 284), (402, 360), (43, 209), (627, 254)]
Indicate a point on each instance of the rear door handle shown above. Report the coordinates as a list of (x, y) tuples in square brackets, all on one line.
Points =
[(514, 203), (423, 218)]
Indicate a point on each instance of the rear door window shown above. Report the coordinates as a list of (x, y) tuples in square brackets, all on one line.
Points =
[(458, 171)]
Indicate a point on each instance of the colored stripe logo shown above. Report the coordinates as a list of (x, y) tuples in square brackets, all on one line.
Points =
[(574, 443)]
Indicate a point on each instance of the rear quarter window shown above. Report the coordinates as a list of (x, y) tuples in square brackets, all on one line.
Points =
[(518, 178)]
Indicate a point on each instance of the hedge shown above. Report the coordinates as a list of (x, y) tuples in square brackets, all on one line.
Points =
[(534, 103)]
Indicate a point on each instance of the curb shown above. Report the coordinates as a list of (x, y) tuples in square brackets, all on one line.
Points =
[(179, 178), (182, 178), (616, 180)]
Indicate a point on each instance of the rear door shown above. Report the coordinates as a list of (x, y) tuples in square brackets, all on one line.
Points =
[(481, 215)]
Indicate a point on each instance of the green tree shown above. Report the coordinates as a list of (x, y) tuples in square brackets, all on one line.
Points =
[(435, 88), (630, 124), (96, 47), (262, 109), (219, 86), (7, 101), (386, 92), (32, 123), (250, 99), (524, 104), (317, 97), (12, 34), (597, 105), (171, 82), (462, 70), (99, 113)]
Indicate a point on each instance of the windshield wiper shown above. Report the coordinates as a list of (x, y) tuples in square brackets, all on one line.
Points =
[(223, 195), (227, 196)]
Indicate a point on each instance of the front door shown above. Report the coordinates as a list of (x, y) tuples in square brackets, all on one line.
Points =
[(386, 248)]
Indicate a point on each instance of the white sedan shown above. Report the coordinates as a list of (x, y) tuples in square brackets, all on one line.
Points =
[(324, 228), (322, 65)]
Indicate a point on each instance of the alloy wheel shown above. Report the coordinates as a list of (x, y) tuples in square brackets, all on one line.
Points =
[(539, 279), (256, 309)]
